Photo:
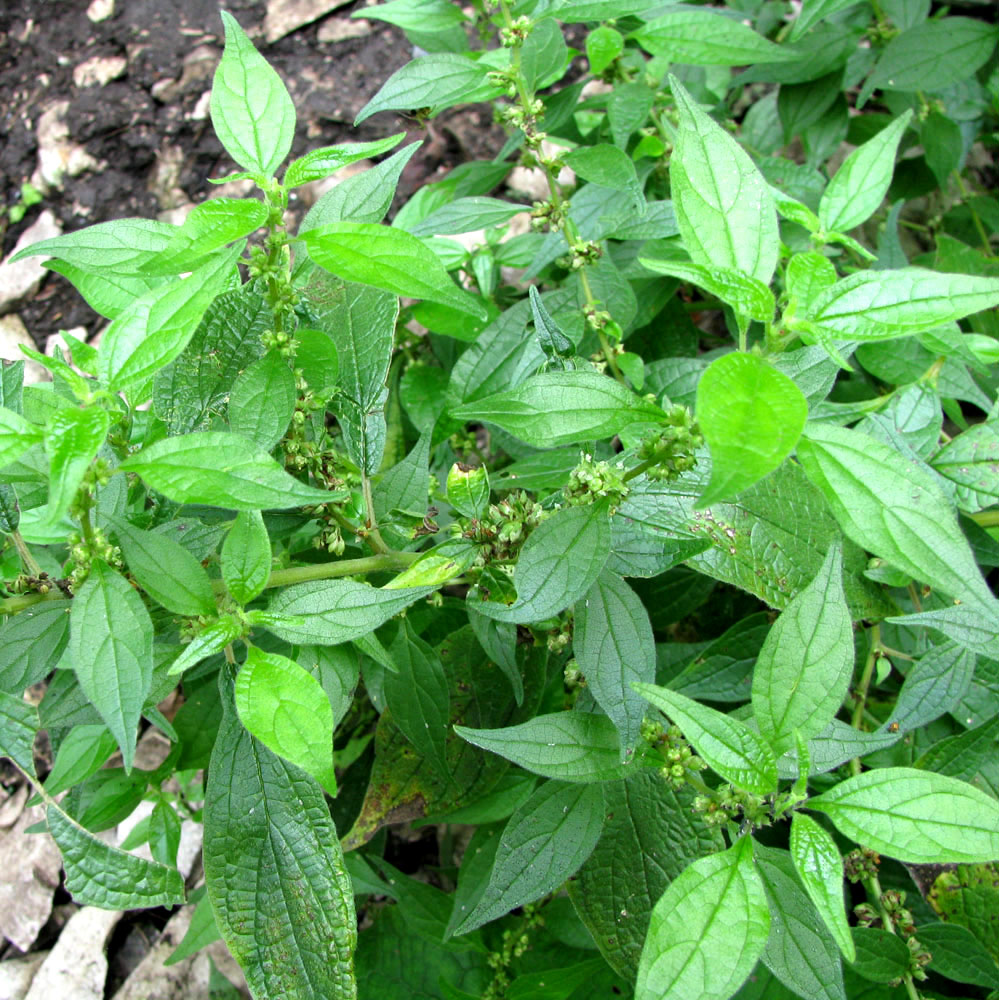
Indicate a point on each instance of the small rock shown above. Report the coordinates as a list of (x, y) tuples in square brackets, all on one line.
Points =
[(77, 968), (201, 109), (21, 279), (16, 975), (199, 65), (11, 806), (100, 10), (285, 16), (532, 180), (30, 863), (339, 29), (12, 333), (99, 70), (54, 340), (57, 156)]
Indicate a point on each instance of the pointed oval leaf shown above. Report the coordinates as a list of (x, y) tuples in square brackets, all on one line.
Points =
[(275, 873), (17, 435), (562, 407), (221, 470), (557, 565), (724, 207), (111, 650), (614, 645), (262, 401), (820, 869), (893, 509), (716, 907), (751, 415), (544, 842), (730, 747), (320, 163), (861, 183), (567, 746), (246, 556), (916, 816), (285, 708), (804, 669), (252, 111), (387, 258), (72, 439)]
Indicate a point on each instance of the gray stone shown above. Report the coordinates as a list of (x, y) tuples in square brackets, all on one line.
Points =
[(339, 29), (77, 967), (285, 16), (99, 70), (16, 975), (21, 279), (30, 863), (13, 333), (58, 157)]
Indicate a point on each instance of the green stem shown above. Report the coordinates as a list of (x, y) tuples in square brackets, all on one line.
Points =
[(15, 605), (375, 539), (873, 887), (343, 567), (986, 518), (26, 557), (865, 682), (966, 195)]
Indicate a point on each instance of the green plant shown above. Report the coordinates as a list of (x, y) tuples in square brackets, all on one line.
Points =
[(664, 578)]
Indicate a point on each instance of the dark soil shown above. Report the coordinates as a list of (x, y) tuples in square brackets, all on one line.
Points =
[(142, 121)]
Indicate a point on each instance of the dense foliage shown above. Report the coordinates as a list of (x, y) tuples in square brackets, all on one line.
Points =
[(638, 558)]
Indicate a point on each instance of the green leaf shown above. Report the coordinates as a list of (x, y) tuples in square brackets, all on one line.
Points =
[(804, 669), (72, 440), (716, 907), (893, 509), (17, 435), (567, 746), (581, 11), (210, 640), (968, 626), (100, 875), (466, 215), (284, 707), (82, 753), (747, 296), (650, 836), (544, 842), (404, 488), (614, 645), (18, 726), (603, 46), (417, 695), (935, 683), (246, 556), (320, 163), (814, 11), (751, 416), (387, 258), (730, 747), (800, 952), (208, 226), (252, 111), (262, 401), (971, 462), (561, 407), (329, 612), (166, 570), (915, 816), (417, 15), (365, 197), (882, 956), (723, 205), (703, 38), (436, 81), (882, 305), (31, 644), (820, 868), (934, 55), (605, 165), (155, 328), (121, 246), (276, 879), (958, 955), (111, 650), (221, 470), (861, 183), (558, 564), (468, 489)]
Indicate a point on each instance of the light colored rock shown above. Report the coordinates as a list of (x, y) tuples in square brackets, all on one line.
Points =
[(12, 333), (16, 975), (12, 805), (100, 10), (55, 340), (57, 156), (202, 109), (30, 863), (285, 16), (77, 967), (99, 70), (199, 65), (20, 279), (339, 29), (192, 836), (532, 181)]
